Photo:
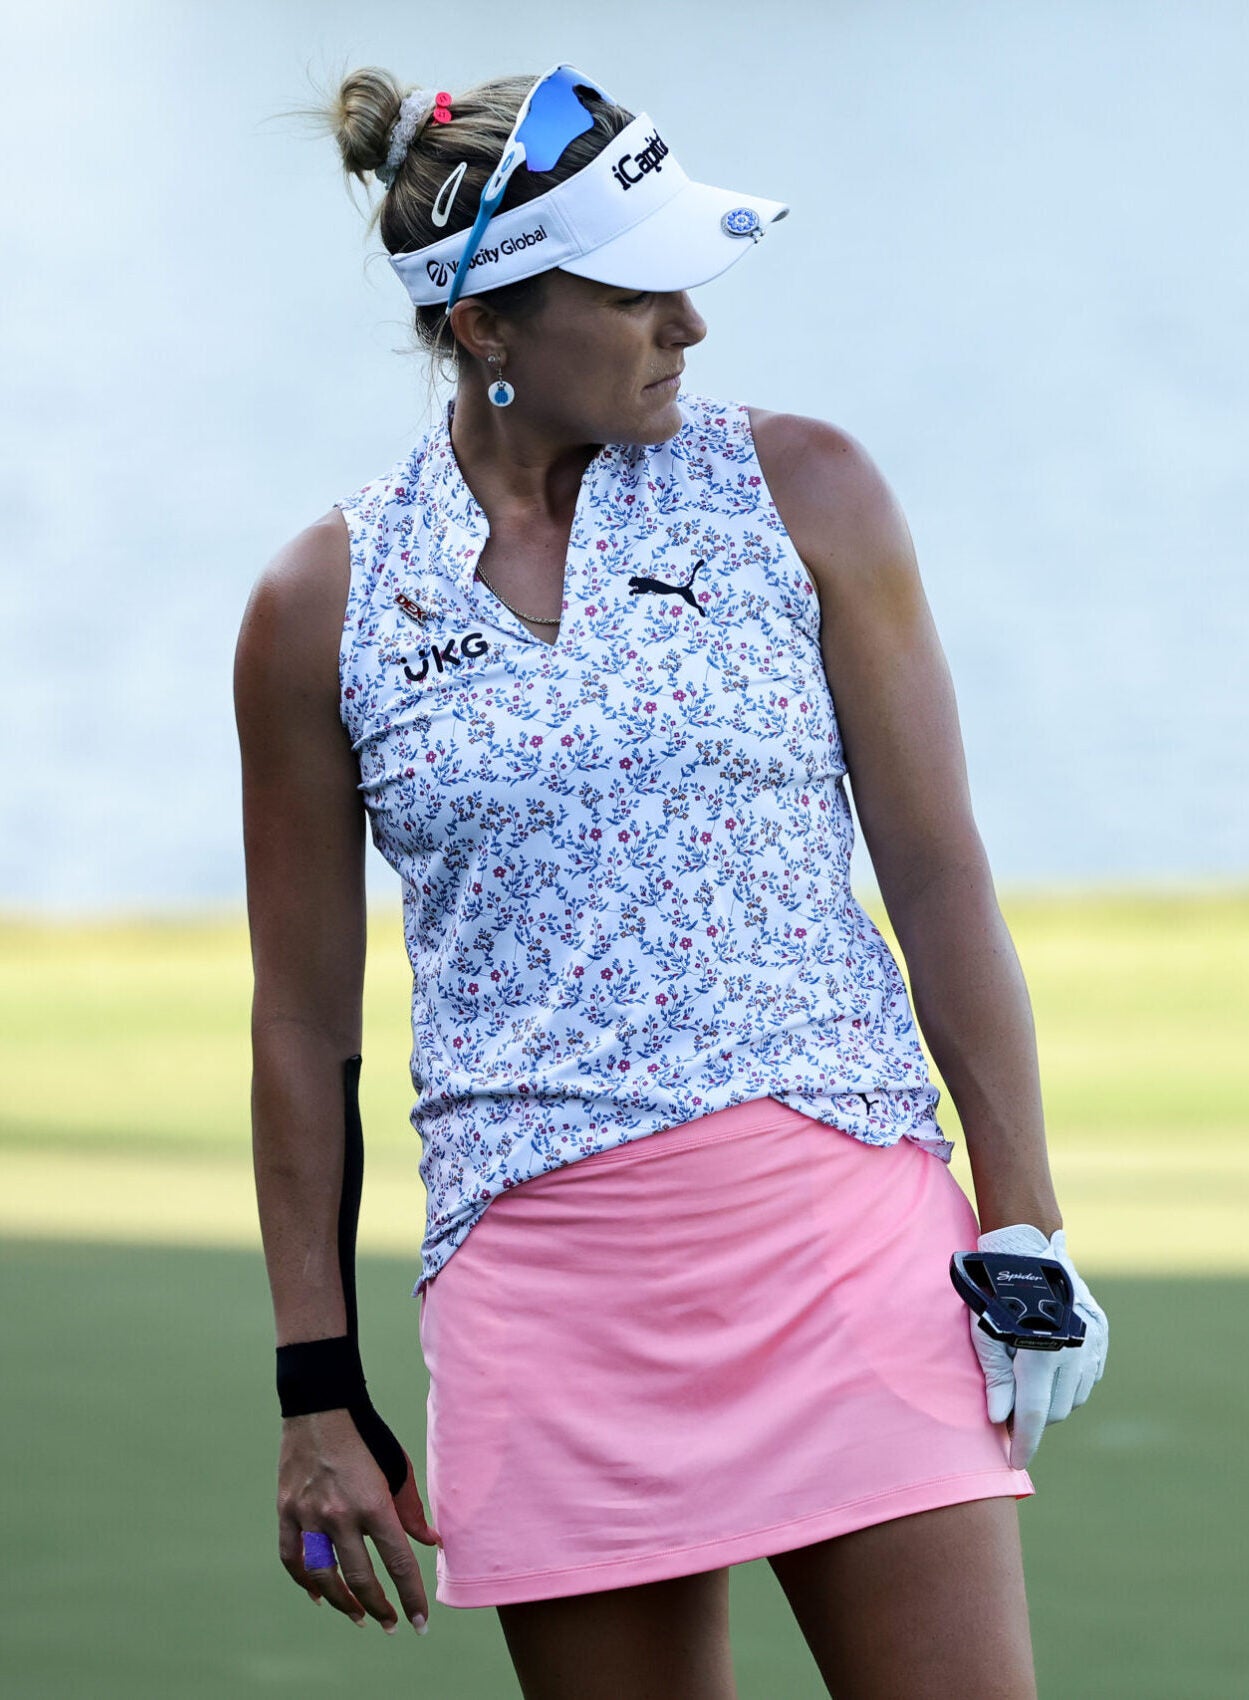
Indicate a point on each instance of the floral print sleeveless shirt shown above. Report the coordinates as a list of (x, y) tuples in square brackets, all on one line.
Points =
[(625, 856)]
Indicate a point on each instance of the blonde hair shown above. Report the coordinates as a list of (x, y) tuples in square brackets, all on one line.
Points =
[(361, 115)]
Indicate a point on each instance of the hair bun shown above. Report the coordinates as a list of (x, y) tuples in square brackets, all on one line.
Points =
[(362, 116)]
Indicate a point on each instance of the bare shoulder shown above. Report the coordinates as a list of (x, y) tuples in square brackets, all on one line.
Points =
[(295, 613), (836, 504)]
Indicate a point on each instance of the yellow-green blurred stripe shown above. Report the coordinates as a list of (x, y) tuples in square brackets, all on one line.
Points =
[(123, 1049)]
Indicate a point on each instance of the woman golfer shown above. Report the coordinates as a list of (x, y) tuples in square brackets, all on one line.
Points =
[(685, 1297)]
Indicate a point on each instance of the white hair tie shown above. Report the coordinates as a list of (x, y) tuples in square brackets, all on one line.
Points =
[(413, 112)]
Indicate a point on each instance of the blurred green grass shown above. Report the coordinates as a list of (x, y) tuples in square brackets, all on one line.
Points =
[(141, 1433), (134, 1035)]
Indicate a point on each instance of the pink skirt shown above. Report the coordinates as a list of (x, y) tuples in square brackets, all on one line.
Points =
[(719, 1342)]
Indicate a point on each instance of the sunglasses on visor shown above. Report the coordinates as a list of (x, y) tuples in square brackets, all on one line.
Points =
[(550, 117)]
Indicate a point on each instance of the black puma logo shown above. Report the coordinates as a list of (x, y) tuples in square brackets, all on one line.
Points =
[(639, 586)]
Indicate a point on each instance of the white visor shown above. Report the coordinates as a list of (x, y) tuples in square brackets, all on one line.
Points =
[(630, 218)]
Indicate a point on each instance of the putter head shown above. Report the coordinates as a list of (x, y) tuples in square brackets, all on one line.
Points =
[(1022, 1301)]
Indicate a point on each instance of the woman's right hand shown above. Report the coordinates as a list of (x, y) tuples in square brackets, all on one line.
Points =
[(1035, 1389), (328, 1481)]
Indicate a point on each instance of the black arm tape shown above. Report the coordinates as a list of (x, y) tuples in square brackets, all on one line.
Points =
[(353, 1185), (327, 1375), (389, 1456)]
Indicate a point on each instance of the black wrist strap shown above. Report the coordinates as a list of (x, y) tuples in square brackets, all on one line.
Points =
[(320, 1375), (327, 1375)]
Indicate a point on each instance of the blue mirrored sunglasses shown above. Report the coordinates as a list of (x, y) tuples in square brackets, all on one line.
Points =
[(550, 117)]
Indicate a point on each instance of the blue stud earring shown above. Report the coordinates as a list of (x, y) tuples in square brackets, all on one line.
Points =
[(499, 390)]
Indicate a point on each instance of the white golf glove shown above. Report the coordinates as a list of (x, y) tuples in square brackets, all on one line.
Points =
[(1040, 1387)]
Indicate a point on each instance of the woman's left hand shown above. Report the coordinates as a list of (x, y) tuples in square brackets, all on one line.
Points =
[(1039, 1387)]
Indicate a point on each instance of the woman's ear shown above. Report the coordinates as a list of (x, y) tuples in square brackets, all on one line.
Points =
[(476, 328)]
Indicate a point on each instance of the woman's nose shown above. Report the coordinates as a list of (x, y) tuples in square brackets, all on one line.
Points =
[(688, 324)]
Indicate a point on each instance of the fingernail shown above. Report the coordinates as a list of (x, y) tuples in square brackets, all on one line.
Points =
[(359, 1622), (419, 1624), (391, 1628)]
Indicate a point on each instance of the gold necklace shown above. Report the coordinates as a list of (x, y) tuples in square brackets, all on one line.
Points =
[(537, 619)]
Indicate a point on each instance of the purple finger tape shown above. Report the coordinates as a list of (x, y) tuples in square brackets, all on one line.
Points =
[(318, 1551)]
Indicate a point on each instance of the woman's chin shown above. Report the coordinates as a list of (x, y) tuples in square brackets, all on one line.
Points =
[(653, 417), (664, 412)]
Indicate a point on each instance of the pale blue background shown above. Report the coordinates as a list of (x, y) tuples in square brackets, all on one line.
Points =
[(1015, 269)]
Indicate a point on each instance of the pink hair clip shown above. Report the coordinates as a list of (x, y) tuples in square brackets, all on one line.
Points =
[(442, 108)]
